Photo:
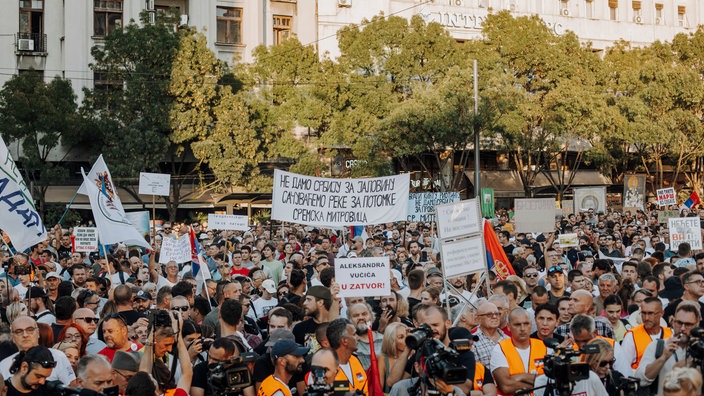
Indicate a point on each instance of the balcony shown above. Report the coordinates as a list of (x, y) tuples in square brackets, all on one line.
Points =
[(33, 44)]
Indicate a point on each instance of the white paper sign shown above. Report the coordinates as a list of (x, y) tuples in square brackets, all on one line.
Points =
[(327, 202), (667, 196), (228, 222), (154, 184), (535, 215), (86, 239), (568, 240), (590, 198), (421, 206), (464, 256), (363, 276), (178, 250), (458, 219), (685, 229)]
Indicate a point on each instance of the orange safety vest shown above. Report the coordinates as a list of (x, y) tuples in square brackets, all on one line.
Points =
[(478, 376), (538, 350), (607, 339), (642, 339), (358, 380), (271, 385)]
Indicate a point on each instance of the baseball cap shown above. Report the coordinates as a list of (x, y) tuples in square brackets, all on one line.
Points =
[(53, 274), (287, 347), (279, 334), (128, 361), (321, 292), (142, 295), (555, 269), (269, 286), (36, 292)]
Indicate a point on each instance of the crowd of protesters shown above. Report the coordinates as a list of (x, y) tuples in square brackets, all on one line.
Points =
[(266, 302)]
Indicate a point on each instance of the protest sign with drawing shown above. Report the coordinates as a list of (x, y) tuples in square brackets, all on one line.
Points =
[(363, 276), (568, 240)]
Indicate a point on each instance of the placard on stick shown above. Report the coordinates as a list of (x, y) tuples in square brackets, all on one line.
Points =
[(228, 222), (685, 229), (178, 250), (86, 239), (154, 184), (363, 276), (459, 219), (463, 256)]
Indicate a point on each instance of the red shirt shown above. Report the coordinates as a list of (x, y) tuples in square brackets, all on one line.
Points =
[(242, 271), (110, 353)]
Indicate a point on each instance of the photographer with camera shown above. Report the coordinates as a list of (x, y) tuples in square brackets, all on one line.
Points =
[(208, 380), (30, 370), (662, 356), (602, 364), (324, 365)]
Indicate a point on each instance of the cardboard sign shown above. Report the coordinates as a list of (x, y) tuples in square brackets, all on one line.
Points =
[(324, 202), (86, 239), (568, 240), (463, 256), (154, 184), (685, 229), (228, 222), (663, 215), (363, 276), (178, 250), (667, 196), (535, 215), (421, 206), (459, 219)]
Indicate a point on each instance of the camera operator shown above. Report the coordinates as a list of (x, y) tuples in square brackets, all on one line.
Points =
[(30, 371), (673, 351), (221, 350), (602, 364), (324, 365)]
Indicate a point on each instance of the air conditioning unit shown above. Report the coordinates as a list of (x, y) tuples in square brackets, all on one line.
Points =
[(150, 5), (638, 19), (658, 21), (184, 20), (344, 3), (512, 7), (565, 12), (25, 45)]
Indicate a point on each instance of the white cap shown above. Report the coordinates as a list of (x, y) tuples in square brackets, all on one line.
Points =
[(52, 274), (269, 286)]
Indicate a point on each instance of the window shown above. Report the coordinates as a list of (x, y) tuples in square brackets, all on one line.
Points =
[(613, 7), (682, 15), (282, 28), (107, 16), (32, 16), (106, 86), (637, 12), (589, 12), (229, 22), (659, 20), (564, 8)]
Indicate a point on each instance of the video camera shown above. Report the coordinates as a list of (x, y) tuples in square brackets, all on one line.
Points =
[(439, 359), (231, 376), (319, 387), (695, 346), (560, 368)]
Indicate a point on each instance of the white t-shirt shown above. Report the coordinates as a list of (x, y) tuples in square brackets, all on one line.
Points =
[(62, 372), (587, 387), (498, 359), (261, 307), (163, 282)]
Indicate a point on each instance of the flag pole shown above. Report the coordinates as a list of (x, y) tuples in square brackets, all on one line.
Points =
[(68, 207)]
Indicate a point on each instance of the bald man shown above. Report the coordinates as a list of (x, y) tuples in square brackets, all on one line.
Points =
[(582, 302), (88, 321)]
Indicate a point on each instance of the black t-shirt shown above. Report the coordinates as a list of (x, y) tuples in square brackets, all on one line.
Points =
[(305, 330), (558, 337), (12, 391), (672, 307)]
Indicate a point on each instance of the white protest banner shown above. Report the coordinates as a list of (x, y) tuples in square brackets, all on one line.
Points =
[(178, 250), (586, 198), (535, 215), (463, 256), (421, 206), (110, 217), (363, 276), (154, 183), (327, 202), (18, 216), (228, 222), (459, 219), (568, 240), (685, 229), (86, 239), (667, 196)]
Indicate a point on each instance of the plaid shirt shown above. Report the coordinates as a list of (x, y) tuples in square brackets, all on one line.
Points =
[(482, 347), (603, 328)]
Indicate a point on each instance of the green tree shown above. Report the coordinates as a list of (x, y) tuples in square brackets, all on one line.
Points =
[(41, 117)]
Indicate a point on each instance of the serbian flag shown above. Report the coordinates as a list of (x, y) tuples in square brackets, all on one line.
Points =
[(693, 200), (373, 380), (495, 256), (197, 257)]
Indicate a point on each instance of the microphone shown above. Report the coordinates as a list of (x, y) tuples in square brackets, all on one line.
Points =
[(551, 343)]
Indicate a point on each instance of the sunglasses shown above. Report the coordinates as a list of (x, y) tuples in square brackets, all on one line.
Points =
[(89, 320), (533, 275), (182, 309), (605, 363), (46, 364), (282, 293)]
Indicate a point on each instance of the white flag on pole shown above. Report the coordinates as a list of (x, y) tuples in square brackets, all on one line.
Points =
[(112, 222), (18, 216)]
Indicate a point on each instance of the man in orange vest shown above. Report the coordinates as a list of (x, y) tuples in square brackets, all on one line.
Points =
[(517, 361), (288, 360), (583, 330), (351, 375), (638, 338)]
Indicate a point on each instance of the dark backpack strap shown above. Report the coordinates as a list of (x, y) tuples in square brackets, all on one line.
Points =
[(122, 277), (42, 315)]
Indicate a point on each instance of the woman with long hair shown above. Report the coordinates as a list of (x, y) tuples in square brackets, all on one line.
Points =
[(46, 335), (430, 296), (73, 333), (15, 310), (392, 345), (72, 352), (602, 364)]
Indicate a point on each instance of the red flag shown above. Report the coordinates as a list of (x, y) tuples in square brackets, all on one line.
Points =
[(373, 380), (495, 255)]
